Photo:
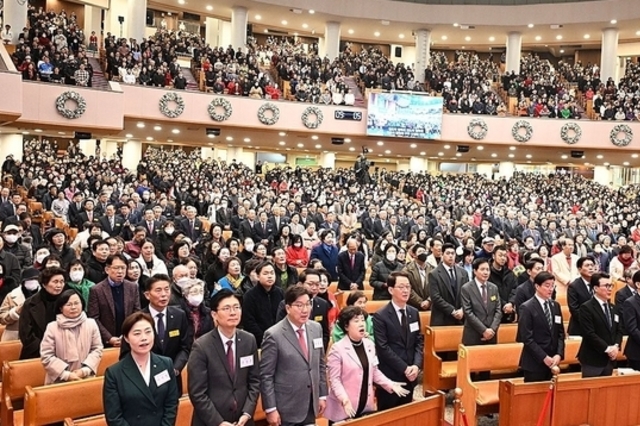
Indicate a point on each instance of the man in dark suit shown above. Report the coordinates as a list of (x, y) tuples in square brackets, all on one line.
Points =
[(399, 341), (631, 316), (351, 267), (223, 370), (88, 215), (225, 214), (527, 289), (151, 226), (262, 231), (627, 291), (380, 224), (191, 225), (579, 291), (601, 330), (481, 306), (111, 224), (278, 220), (541, 330), (10, 207), (445, 282), (395, 228), (75, 208), (112, 300), (172, 337), (245, 229)]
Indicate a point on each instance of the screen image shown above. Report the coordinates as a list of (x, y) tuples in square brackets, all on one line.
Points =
[(402, 115)]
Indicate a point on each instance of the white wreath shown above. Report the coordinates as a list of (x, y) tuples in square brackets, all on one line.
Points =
[(624, 129), (528, 131), (61, 105), (312, 111), (226, 106), (477, 134), (164, 105), (275, 114), (570, 127)]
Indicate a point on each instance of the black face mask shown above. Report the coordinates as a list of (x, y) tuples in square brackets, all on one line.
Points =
[(422, 257)]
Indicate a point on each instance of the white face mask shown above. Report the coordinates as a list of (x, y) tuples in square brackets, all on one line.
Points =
[(391, 257), (195, 299), (169, 231), (40, 258), (182, 282), (76, 276), (31, 285), (10, 238)]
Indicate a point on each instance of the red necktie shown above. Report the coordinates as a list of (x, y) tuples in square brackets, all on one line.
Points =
[(303, 343), (353, 261)]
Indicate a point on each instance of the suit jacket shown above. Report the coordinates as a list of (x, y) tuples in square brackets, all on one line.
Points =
[(560, 267), (195, 234), (478, 316), (631, 317), (345, 376), (577, 294), (102, 310), (597, 335), (7, 209), (443, 300), (319, 314), (396, 231), (276, 228), (246, 229), (117, 225), (74, 215), (539, 339), (379, 227), (419, 292), (259, 233), (32, 325), (622, 295), (396, 351), (224, 216), (287, 375), (217, 395), (84, 217), (129, 401), (347, 274)]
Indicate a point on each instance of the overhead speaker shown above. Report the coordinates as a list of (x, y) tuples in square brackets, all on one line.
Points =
[(577, 154), (150, 18), (398, 52), (81, 135), (462, 148), (212, 131), (337, 141)]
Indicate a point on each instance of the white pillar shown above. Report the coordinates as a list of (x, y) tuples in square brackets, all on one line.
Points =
[(92, 22), (239, 19), (322, 50), (417, 164), (328, 160), (15, 14), (514, 48), (234, 153), (136, 19), (11, 144), (212, 31), (609, 55), (87, 147), (506, 169), (602, 175), (423, 46), (332, 39), (131, 154)]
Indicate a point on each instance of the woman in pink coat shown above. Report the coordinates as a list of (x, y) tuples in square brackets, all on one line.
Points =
[(353, 368)]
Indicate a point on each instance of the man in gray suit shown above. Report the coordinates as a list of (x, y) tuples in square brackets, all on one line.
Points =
[(481, 306), (292, 366), (445, 282), (224, 375)]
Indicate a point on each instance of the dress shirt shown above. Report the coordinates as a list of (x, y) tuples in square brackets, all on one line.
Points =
[(154, 315)]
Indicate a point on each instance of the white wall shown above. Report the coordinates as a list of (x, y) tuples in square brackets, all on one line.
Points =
[(408, 55), (111, 24), (248, 158)]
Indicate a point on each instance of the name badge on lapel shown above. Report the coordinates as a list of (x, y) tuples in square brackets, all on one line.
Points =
[(318, 318), (414, 326), (615, 318), (317, 343), (494, 298), (174, 333), (161, 378), (246, 361), (558, 319)]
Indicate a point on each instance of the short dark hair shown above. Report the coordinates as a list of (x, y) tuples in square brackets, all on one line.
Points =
[(391, 280), (595, 279), (130, 321), (64, 298), (636, 277), (501, 247), (224, 293), (95, 244), (625, 249), (347, 314), (263, 265), (532, 263), (583, 259), (113, 257), (542, 277), (250, 266), (75, 262), (309, 271), (292, 293), (479, 261), (154, 279), (354, 296), (227, 263), (48, 273), (446, 246)]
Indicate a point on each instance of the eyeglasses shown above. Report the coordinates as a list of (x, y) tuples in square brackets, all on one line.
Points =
[(227, 309), (302, 306), (607, 286), (403, 287)]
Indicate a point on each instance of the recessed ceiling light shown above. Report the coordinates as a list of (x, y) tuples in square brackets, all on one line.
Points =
[(467, 38), (350, 31), (634, 156), (181, 2), (211, 136), (492, 38), (528, 155), (157, 128), (586, 36), (38, 130), (379, 155), (559, 37), (266, 30), (311, 11), (258, 17), (613, 21), (305, 26), (170, 140), (284, 22), (318, 146), (282, 134), (512, 148), (61, 133), (401, 35), (480, 147), (587, 163), (455, 24), (347, 140), (423, 153), (441, 154), (626, 163), (377, 34), (352, 149), (458, 155), (444, 37), (175, 131), (447, 146), (128, 136), (494, 155), (463, 47), (388, 151), (229, 138), (140, 125), (25, 133), (564, 157), (314, 137), (149, 138), (530, 25), (413, 145), (511, 155), (606, 164), (247, 140), (561, 50), (380, 143), (599, 157), (538, 38), (209, 7), (300, 145), (282, 143)]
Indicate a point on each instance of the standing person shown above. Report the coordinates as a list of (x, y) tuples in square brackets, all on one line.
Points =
[(482, 307), (527, 289), (445, 282), (578, 293), (260, 303), (12, 304), (353, 368), (601, 330), (140, 390), (226, 394), (504, 278), (631, 317), (541, 329), (399, 342), (351, 267), (564, 264), (418, 272), (292, 366)]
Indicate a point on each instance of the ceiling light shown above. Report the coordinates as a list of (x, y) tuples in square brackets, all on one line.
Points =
[(379, 155), (311, 11), (380, 143), (25, 133), (128, 136), (282, 143), (444, 37), (441, 154), (634, 156), (350, 31), (613, 21), (305, 26), (528, 155), (586, 164), (347, 140), (209, 7), (606, 164), (157, 128), (564, 157), (314, 137), (388, 151), (463, 47), (586, 36), (170, 140), (599, 157), (61, 133), (211, 135), (229, 138), (447, 146), (413, 145), (140, 125), (530, 25), (266, 30), (538, 38), (352, 149), (175, 131), (494, 155), (300, 145), (38, 130), (284, 22), (455, 24), (458, 155), (282, 134), (247, 140), (638, 33), (512, 148), (480, 147), (626, 163), (377, 34), (559, 37), (401, 35), (467, 38), (181, 2), (511, 155), (561, 50), (423, 153), (492, 38), (318, 146), (149, 138)]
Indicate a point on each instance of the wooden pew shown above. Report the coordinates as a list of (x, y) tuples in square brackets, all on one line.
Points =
[(373, 305), (53, 403), (593, 401), (429, 411), (10, 350)]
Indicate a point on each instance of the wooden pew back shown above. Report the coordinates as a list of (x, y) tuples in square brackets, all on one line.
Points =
[(429, 411)]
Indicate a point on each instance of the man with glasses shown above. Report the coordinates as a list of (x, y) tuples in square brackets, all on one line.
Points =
[(223, 370), (399, 341), (579, 292), (292, 366), (601, 330), (112, 300), (541, 330)]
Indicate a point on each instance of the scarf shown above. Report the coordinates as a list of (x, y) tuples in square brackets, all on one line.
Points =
[(68, 328), (235, 282), (83, 288), (626, 262)]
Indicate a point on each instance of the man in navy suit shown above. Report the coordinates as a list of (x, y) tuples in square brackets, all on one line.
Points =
[(579, 292), (399, 342), (191, 225), (541, 330), (351, 267)]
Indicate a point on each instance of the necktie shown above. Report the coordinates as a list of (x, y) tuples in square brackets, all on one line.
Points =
[(303, 343), (150, 227), (452, 278), (607, 314), (403, 321), (111, 222), (231, 360), (160, 328), (90, 216), (353, 262), (547, 313), (484, 294)]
